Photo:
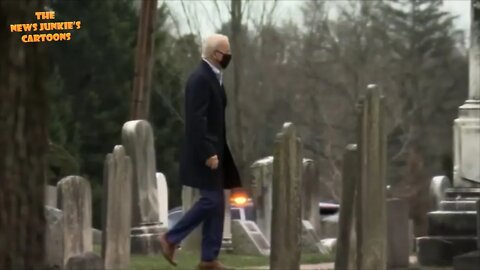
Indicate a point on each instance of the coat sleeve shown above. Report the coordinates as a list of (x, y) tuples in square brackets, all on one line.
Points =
[(198, 99)]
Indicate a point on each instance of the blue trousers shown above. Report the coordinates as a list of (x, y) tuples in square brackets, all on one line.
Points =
[(209, 210)]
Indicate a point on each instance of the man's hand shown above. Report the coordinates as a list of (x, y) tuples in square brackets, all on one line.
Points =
[(212, 162)]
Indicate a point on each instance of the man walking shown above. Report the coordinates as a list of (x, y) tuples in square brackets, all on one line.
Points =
[(206, 162)]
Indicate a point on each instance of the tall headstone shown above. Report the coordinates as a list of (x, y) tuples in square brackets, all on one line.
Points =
[(262, 171), (193, 240), (371, 196), (466, 172), (345, 257), (162, 187), (137, 138), (75, 200), (286, 230), (117, 206), (311, 194)]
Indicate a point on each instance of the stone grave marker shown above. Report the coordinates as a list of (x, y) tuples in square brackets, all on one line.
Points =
[(398, 234), (137, 138), (54, 257), (162, 188), (117, 207), (75, 200), (286, 201), (51, 196)]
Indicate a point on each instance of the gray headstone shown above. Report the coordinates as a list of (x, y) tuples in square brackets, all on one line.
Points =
[(311, 194), (117, 207), (162, 188), (85, 261), (262, 171), (398, 234), (286, 201), (247, 239), (51, 196), (54, 238), (371, 199), (137, 138), (345, 257), (75, 200)]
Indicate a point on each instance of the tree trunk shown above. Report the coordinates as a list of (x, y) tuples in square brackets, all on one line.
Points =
[(23, 141), (144, 59), (236, 25)]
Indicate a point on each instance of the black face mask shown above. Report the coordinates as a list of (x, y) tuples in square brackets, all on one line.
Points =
[(225, 60)]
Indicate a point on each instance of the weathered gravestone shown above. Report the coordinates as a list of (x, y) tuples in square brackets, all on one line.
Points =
[(262, 174), (54, 238), (286, 229), (137, 138), (162, 188), (51, 196), (85, 261), (189, 197), (346, 253), (371, 192), (75, 200), (117, 206), (398, 234), (262, 171), (311, 194)]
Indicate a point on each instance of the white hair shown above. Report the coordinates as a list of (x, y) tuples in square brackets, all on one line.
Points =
[(211, 43)]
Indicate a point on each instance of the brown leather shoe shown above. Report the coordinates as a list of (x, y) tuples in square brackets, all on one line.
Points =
[(167, 249), (215, 265)]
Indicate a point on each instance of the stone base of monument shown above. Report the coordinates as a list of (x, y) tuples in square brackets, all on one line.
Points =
[(469, 261), (452, 231), (145, 239), (248, 239)]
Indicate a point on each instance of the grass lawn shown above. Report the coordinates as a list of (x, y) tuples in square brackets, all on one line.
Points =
[(188, 261)]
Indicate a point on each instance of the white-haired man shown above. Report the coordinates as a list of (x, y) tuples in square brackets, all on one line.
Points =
[(206, 161)]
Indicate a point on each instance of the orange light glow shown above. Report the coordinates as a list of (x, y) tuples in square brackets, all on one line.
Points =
[(238, 200)]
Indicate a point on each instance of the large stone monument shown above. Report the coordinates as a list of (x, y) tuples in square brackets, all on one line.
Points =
[(452, 229), (117, 206), (137, 138), (286, 232)]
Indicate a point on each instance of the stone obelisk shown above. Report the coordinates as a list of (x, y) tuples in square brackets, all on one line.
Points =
[(467, 125)]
